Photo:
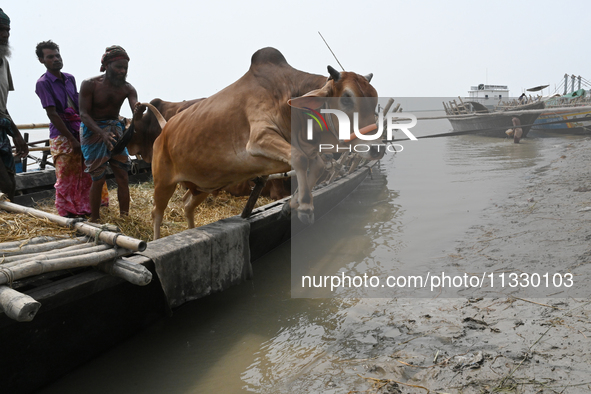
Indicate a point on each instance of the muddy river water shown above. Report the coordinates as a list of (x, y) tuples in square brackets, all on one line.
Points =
[(257, 338)]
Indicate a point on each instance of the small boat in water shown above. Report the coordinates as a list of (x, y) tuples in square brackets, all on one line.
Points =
[(567, 113), (473, 117)]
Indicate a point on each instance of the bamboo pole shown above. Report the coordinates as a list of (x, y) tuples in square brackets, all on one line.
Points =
[(32, 126), (354, 163), (282, 175), (550, 110), (105, 236), (11, 207), (132, 272), (78, 247), (37, 149), (49, 256), (112, 238), (18, 306), (108, 227), (43, 247), (388, 105), (37, 267), (341, 162), (5, 246)]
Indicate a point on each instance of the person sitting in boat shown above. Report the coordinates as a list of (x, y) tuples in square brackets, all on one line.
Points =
[(522, 98), (101, 98), (59, 97), (7, 126)]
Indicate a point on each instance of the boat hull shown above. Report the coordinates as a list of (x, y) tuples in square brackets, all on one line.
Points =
[(572, 121), (495, 124)]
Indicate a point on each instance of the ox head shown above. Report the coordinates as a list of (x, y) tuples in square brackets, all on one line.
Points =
[(149, 127), (349, 93), (145, 133)]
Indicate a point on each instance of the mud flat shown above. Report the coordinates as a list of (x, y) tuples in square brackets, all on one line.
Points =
[(521, 339)]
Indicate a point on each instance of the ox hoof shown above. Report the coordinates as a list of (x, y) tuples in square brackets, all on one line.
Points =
[(286, 211), (306, 217)]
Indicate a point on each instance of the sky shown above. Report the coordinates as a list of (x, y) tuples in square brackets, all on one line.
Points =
[(182, 50)]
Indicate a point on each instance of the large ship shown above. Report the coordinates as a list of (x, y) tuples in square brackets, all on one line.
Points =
[(488, 95)]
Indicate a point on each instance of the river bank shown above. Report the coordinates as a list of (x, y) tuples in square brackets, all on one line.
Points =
[(514, 339)]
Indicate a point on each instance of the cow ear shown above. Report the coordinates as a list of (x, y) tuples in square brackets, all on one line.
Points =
[(307, 102), (314, 99)]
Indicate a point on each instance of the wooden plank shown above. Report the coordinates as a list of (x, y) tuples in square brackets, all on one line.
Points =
[(36, 179), (30, 199)]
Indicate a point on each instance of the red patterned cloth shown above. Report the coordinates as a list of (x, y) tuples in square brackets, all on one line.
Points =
[(72, 189)]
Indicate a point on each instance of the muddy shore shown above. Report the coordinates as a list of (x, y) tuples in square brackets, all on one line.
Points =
[(521, 339)]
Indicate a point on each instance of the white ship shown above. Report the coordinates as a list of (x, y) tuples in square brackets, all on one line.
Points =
[(488, 95)]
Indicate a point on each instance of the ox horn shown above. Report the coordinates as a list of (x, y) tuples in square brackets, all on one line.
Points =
[(157, 114), (368, 77), (334, 73)]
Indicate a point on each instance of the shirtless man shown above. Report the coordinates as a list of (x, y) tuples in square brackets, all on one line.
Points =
[(101, 98)]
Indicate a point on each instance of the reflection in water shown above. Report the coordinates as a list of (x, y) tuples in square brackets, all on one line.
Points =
[(341, 240), (256, 338), (474, 154)]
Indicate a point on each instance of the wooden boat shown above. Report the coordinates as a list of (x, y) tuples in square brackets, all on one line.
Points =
[(567, 113), (473, 117), (86, 312)]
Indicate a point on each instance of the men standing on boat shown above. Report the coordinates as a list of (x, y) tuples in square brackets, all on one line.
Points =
[(59, 97), (101, 98), (7, 126)]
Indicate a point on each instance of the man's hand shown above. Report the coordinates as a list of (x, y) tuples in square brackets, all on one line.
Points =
[(108, 138), (22, 149), (75, 146), (138, 110)]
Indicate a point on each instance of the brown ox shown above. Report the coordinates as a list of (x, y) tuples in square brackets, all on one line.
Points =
[(149, 128), (245, 131)]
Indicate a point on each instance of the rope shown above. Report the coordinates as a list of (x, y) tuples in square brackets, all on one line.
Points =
[(454, 133), (115, 246), (7, 272), (97, 234), (134, 167)]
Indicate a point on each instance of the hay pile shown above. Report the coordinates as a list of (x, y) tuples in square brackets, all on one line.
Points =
[(139, 222), (22, 227)]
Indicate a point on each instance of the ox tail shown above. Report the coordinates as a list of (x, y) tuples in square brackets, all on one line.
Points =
[(157, 114)]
